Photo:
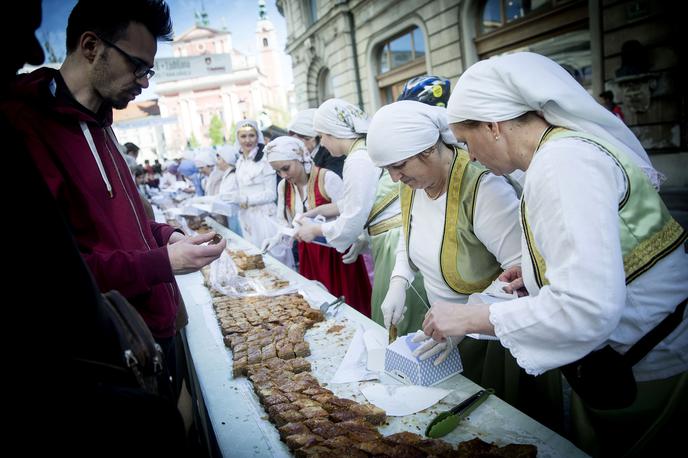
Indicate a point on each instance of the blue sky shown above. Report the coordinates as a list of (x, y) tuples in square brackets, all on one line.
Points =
[(239, 16)]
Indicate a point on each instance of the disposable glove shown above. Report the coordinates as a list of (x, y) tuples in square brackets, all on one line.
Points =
[(393, 307), (270, 243), (355, 249), (431, 347)]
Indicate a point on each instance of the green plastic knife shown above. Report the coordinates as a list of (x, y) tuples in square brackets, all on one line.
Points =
[(447, 421)]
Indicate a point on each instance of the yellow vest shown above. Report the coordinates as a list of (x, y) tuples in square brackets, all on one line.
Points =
[(648, 232), (467, 265)]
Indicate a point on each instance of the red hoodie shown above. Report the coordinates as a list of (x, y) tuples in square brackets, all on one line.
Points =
[(94, 189)]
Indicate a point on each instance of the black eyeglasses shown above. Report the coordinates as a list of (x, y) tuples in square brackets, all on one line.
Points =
[(141, 68)]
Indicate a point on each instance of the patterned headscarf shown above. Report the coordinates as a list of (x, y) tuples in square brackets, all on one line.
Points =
[(340, 119), (287, 148)]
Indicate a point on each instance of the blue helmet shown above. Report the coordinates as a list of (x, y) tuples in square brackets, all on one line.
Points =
[(433, 90)]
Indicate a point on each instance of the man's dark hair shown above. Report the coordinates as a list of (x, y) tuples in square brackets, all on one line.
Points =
[(131, 147), (88, 15)]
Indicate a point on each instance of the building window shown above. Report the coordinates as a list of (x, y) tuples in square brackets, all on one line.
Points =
[(496, 13), (557, 29), (399, 59), (310, 11), (265, 42), (325, 91)]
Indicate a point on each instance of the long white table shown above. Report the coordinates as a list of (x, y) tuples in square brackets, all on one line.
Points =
[(240, 424)]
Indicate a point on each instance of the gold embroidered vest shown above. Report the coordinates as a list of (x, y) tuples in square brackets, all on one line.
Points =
[(467, 265)]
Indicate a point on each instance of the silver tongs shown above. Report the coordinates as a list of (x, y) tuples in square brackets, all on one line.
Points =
[(332, 306)]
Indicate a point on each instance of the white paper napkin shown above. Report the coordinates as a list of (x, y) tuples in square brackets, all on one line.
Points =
[(400, 400), (375, 347), (353, 366)]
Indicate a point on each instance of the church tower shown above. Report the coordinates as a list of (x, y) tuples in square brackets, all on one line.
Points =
[(269, 59)]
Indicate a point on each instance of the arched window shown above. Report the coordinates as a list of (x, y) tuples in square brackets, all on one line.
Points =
[(324, 86), (557, 29), (265, 42), (399, 58)]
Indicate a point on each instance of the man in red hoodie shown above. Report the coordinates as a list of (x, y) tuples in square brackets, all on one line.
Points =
[(66, 116)]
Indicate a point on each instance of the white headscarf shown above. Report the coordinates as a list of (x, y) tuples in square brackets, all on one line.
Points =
[(204, 157), (504, 87), (340, 119), (303, 123), (287, 148), (403, 129), (251, 123), (228, 154)]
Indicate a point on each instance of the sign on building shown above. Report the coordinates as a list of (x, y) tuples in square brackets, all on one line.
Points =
[(178, 68)]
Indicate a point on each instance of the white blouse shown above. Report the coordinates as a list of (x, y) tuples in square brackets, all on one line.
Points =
[(495, 224), (257, 181), (572, 193), (334, 187), (360, 183)]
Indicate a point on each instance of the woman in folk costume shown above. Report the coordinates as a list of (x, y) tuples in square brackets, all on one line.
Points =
[(305, 186), (603, 260), (370, 204), (460, 231), (257, 191)]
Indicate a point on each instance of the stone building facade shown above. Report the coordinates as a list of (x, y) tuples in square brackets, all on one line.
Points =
[(364, 50)]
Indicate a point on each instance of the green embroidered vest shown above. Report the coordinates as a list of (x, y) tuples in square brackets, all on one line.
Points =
[(386, 194), (467, 266), (647, 230)]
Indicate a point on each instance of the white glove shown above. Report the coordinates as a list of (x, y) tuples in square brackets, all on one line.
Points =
[(431, 347), (393, 307), (297, 220), (270, 243), (355, 249)]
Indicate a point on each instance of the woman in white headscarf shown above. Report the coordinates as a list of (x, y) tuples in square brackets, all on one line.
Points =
[(603, 260), (460, 231), (257, 190), (302, 128), (305, 186)]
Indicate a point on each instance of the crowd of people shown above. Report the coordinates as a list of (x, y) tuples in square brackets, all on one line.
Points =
[(533, 191)]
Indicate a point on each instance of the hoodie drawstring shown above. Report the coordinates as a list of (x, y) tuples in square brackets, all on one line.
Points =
[(96, 156)]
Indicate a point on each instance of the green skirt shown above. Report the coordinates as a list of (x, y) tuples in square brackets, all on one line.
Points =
[(384, 248), (654, 425)]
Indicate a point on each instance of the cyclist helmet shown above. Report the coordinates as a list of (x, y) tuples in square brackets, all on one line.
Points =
[(433, 90)]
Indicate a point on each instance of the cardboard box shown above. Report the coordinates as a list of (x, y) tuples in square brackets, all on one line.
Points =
[(403, 366)]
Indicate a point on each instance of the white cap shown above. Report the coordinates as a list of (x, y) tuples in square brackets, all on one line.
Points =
[(303, 123), (205, 157), (227, 153)]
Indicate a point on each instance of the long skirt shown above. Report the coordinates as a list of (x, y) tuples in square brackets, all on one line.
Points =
[(324, 264), (384, 248), (654, 425)]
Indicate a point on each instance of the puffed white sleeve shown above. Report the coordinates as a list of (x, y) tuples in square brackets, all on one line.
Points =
[(572, 196), (495, 219), (360, 184), (281, 220), (334, 186)]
